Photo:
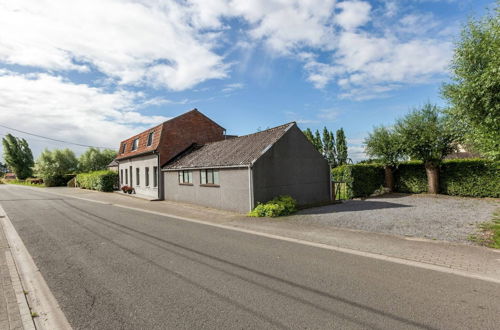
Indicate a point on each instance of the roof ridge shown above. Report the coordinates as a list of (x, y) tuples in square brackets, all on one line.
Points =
[(256, 133)]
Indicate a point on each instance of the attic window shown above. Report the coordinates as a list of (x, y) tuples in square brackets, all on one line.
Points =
[(135, 144), (150, 138), (123, 147)]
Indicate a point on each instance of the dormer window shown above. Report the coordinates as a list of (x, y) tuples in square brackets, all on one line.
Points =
[(135, 144), (123, 147), (150, 138)]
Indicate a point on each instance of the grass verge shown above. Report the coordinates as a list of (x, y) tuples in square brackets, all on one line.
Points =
[(489, 233), (23, 183)]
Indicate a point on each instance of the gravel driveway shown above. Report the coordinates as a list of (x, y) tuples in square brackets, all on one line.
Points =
[(434, 217)]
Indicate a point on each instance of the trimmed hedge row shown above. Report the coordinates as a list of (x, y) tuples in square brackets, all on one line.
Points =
[(99, 180), (458, 177), (410, 177), (470, 177), (362, 179)]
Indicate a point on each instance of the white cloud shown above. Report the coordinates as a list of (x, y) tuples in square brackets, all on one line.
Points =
[(232, 87), (283, 25), (135, 42), (366, 66), (321, 116), (353, 14), (51, 106), (179, 44), (328, 115)]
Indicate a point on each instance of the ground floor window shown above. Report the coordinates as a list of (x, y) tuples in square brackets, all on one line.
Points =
[(131, 175), (126, 176), (137, 176), (121, 176), (146, 176), (209, 177), (185, 177), (155, 176)]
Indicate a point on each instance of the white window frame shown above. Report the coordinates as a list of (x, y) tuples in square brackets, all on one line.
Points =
[(185, 177), (209, 177), (155, 176), (135, 144), (150, 138)]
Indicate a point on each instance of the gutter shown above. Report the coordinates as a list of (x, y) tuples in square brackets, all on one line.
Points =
[(152, 152), (202, 168)]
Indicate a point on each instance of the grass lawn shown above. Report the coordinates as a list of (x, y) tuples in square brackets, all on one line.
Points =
[(489, 234), (23, 183)]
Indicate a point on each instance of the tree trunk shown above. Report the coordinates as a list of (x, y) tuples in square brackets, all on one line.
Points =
[(432, 171), (389, 178)]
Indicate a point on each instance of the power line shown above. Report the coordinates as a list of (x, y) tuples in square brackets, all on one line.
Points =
[(48, 138)]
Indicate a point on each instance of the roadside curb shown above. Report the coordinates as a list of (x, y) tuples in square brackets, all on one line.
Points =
[(39, 298), (403, 261), (22, 300)]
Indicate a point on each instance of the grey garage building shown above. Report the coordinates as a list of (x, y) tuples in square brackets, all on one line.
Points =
[(237, 173)]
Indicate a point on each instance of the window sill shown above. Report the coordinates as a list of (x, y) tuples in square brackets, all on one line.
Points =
[(209, 185), (185, 184)]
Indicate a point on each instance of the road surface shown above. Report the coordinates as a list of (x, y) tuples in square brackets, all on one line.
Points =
[(115, 268)]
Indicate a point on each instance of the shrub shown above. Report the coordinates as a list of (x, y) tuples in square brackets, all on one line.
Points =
[(278, 206), (470, 177), (99, 180), (362, 179), (410, 177), (57, 180)]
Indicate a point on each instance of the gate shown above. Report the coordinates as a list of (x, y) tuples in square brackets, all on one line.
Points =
[(339, 190)]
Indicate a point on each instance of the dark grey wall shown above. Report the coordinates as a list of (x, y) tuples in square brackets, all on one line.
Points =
[(232, 194), (292, 167)]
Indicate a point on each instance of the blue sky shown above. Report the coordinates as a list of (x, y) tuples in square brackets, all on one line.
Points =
[(95, 72)]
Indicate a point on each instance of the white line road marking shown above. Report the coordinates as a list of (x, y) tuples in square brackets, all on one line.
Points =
[(401, 261), (40, 298)]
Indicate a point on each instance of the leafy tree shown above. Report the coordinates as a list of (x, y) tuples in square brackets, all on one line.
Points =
[(385, 145), (18, 156), (425, 135), (95, 160), (53, 165), (329, 151), (474, 92), (341, 147)]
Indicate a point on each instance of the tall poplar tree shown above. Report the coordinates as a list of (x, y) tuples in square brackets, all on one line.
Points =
[(342, 155)]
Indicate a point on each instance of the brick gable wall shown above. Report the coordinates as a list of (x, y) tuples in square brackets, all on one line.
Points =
[(180, 132)]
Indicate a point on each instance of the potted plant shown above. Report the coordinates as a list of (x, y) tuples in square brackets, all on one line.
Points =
[(127, 189)]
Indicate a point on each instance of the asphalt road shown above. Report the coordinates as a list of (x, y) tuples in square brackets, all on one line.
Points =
[(114, 268)]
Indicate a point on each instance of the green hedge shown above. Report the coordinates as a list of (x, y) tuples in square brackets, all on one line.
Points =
[(362, 179), (99, 180), (410, 177), (458, 177), (470, 177)]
